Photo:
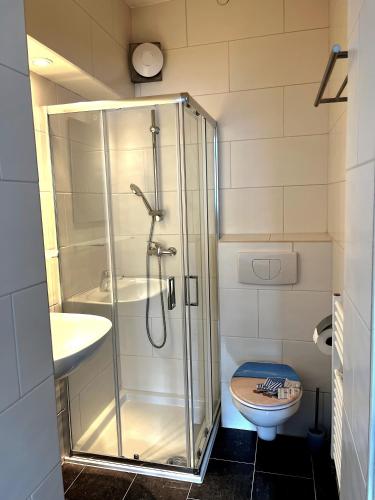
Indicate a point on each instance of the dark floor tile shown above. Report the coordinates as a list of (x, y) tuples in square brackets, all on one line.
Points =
[(99, 484), (284, 455), (235, 444), (276, 487), (325, 476), (153, 488), (70, 472), (224, 481)]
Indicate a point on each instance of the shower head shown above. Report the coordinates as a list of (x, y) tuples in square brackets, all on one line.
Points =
[(138, 192)]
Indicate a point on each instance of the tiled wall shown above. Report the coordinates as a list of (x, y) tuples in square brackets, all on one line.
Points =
[(27, 398), (93, 35), (337, 146), (359, 241), (276, 324), (255, 66)]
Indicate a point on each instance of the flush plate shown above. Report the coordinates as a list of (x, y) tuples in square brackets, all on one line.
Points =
[(267, 268)]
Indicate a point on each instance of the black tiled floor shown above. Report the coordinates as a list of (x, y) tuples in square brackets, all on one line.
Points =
[(277, 487), (151, 488), (283, 471), (235, 445), (224, 481), (99, 484), (285, 455), (70, 473)]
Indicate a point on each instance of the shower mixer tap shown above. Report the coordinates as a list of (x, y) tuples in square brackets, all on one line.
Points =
[(155, 248)]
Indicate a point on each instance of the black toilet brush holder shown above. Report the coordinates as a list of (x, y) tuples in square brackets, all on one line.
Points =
[(315, 435)]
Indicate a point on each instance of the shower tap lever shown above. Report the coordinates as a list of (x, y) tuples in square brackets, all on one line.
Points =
[(157, 249)]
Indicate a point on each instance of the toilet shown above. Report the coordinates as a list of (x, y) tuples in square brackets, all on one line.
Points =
[(265, 412)]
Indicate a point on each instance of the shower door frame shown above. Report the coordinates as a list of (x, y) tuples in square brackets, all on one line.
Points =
[(192, 474)]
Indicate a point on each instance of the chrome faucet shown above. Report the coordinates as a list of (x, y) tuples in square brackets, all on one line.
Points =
[(105, 281), (154, 248)]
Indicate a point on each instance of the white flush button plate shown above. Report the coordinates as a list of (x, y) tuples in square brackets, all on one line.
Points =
[(267, 268)]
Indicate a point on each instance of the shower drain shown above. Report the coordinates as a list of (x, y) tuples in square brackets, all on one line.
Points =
[(177, 460)]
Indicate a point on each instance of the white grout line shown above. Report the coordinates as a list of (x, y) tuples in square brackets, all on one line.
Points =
[(130, 485), (286, 475), (83, 468), (232, 461), (188, 494), (255, 460), (313, 474)]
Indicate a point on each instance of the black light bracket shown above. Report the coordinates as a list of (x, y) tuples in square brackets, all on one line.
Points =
[(336, 53)]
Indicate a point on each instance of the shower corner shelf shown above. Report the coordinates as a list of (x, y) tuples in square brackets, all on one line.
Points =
[(336, 53)]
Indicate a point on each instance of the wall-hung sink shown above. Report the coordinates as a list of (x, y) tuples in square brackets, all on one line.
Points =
[(128, 290), (75, 337)]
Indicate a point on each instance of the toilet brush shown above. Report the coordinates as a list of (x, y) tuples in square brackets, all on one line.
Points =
[(315, 435)]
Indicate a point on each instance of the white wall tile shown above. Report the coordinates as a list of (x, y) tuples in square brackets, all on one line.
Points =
[(305, 14), (238, 312), (30, 424), (182, 66), (12, 36), (305, 209), (314, 266), (24, 225), (312, 366), (359, 237), (33, 336), (353, 108), (209, 22), (279, 162), (290, 58), (9, 383), (337, 268), (17, 145), (236, 351), (291, 315), (366, 83), (300, 422), (353, 484), (337, 151), (133, 338), (253, 210), (51, 487), (336, 211), (301, 117), (246, 115), (43, 92), (164, 23)]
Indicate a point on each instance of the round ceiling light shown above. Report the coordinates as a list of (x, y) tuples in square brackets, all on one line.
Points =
[(147, 59), (41, 62)]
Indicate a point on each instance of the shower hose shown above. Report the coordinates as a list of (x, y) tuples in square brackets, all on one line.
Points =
[(149, 243)]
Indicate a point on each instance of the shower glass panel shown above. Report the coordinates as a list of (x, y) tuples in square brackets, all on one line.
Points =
[(78, 159), (136, 200), (151, 366)]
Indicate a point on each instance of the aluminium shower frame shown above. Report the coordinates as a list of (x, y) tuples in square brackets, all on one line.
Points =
[(190, 473)]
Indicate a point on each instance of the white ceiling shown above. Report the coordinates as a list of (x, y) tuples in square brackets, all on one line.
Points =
[(143, 3)]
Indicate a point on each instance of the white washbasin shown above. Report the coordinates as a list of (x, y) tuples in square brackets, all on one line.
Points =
[(128, 290), (75, 337)]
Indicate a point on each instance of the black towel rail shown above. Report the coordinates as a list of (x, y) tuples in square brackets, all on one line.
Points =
[(336, 53)]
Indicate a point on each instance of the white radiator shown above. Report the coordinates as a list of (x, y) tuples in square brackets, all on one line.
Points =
[(337, 382)]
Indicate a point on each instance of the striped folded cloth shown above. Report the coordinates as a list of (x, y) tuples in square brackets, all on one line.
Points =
[(270, 386)]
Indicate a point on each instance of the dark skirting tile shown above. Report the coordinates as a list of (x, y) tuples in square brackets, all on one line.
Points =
[(153, 488), (224, 481), (99, 484), (325, 476), (235, 444), (276, 487), (70, 472), (284, 455)]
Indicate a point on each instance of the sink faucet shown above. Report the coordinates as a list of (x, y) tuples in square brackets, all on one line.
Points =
[(155, 248), (105, 281)]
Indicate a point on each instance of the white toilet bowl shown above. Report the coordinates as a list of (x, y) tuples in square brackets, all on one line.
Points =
[(264, 412)]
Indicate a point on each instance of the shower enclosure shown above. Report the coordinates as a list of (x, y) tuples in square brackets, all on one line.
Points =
[(136, 209)]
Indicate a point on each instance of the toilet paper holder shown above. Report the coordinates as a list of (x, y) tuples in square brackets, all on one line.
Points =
[(323, 335)]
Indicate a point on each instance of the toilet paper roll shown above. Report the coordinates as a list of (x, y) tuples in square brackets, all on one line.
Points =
[(321, 341)]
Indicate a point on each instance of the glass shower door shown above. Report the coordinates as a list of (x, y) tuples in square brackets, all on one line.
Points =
[(143, 161), (196, 280)]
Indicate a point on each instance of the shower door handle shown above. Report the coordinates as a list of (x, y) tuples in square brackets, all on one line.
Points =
[(171, 293), (188, 296)]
